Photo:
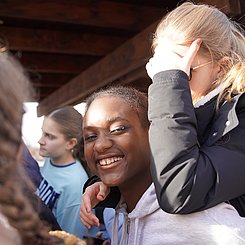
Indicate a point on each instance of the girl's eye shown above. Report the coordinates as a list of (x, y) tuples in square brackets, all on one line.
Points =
[(49, 136), (89, 138), (118, 129)]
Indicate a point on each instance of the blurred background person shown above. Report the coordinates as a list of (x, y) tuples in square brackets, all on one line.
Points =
[(19, 222), (64, 171)]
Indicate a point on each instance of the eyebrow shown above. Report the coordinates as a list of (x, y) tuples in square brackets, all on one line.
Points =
[(109, 120), (45, 132)]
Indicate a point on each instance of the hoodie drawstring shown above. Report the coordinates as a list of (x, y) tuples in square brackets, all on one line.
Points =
[(124, 237)]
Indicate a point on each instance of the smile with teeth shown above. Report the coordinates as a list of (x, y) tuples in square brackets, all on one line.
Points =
[(108, 161)]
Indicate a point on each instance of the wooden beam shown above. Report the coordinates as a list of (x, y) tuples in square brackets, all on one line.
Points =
[(106, 14), (49, 80), (133, 76), (128, 57), (41, 93), (55, 63), (229, 7), (63, 42)]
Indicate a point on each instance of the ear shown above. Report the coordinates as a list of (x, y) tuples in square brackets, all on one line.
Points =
[(223, 65), (71, 143)]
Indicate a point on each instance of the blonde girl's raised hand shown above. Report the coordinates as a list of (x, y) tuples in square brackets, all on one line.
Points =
[(171, 57)]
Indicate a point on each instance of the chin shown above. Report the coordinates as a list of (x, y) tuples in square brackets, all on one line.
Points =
[(110, 181), (42, 154)]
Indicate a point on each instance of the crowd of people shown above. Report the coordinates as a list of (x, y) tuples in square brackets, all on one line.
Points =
[(196, 114), (163, 168)]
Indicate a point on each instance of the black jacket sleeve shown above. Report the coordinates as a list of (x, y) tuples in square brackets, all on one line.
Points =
[(189, 177)]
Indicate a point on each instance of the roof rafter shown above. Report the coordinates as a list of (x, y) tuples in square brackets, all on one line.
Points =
[(106, 14), (128, 57)]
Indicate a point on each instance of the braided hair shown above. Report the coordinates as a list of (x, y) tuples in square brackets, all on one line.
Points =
[(14, 201)]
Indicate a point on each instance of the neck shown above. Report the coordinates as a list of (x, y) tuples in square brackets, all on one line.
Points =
[(135, 188), (63, 160)]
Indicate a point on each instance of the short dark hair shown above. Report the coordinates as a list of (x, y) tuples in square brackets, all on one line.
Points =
[(136, 99)]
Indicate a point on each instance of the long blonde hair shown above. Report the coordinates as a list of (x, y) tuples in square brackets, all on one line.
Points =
[(221, 38)]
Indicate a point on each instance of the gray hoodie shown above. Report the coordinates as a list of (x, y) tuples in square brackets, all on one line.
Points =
[(147, 224)]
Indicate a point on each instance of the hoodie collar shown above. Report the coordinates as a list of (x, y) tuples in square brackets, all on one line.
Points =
[(146, 205)]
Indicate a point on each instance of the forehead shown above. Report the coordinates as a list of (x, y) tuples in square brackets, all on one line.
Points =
[(106, 108), (50, 126)]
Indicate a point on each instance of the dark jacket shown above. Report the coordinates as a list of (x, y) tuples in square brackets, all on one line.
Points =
[(32, 170), (198, 155)]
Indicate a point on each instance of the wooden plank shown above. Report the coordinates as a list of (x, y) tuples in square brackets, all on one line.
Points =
[(40, 40), (107, 14), (128, 57), (47, 80), (229, 7), (55, 63), (132, 77), (41, 93)]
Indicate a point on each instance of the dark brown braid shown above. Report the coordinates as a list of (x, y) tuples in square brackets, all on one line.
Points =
[(14, 203)]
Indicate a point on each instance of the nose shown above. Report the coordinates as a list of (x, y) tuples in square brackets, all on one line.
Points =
[(102, 143), (41, 141)]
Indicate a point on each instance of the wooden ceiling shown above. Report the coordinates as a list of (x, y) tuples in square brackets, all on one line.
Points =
[(73, 47)]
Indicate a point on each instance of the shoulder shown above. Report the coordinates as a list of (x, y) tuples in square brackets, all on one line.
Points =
[(46, 162), (47, 167), (80, 168), (226, 214)]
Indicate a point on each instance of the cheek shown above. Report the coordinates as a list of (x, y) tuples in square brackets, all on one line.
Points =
[(88, 155), (200, 84), (55, 147), (193, 85), (87, 152), (52, 145)]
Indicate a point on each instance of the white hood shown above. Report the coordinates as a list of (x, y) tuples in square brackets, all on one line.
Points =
[(147, 224)]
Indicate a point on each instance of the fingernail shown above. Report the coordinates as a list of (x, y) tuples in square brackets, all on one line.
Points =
[(199, 41)]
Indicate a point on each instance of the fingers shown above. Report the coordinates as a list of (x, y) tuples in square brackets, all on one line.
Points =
[(91, 197), (149, 69), (106, 242), (103, 191), (170, 57), (99, 234), (192, 52), (88, 219), (86, 200), (89, 201), (164, 60)]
